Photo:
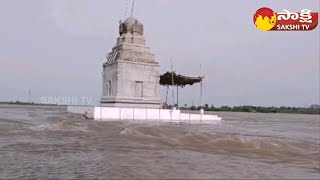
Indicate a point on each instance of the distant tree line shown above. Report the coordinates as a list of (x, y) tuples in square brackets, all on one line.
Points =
[(314, 109), (26, 103)]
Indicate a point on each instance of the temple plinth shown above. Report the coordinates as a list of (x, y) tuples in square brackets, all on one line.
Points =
[(131, 74)]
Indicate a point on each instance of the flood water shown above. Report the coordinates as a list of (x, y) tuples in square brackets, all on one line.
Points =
[(47, 142)]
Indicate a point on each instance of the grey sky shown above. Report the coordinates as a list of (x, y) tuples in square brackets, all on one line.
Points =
[(56, 48)]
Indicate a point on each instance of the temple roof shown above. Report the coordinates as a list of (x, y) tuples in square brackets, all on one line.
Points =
[(131, 25), (178, 80), (131, 21)]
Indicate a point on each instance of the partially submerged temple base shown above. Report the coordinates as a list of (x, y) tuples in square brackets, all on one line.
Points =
[(143, 114)]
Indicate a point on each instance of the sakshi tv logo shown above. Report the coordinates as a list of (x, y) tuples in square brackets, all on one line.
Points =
[(266, 19)]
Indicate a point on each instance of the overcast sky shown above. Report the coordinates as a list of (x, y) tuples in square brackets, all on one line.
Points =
[(57, 48)]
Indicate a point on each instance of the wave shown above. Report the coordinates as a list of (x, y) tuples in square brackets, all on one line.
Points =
[(224, 143), (61, 126)]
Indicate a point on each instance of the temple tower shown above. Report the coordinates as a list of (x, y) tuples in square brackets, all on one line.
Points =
[(131, 73)]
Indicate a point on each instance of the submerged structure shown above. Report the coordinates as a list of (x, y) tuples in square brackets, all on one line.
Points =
[(131, 73), (131, 83)]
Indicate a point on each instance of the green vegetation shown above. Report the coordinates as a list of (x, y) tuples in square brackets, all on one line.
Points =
[(27, 103), (314, 109)]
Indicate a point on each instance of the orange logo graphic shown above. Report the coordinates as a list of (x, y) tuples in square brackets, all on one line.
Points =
[(266, 19)]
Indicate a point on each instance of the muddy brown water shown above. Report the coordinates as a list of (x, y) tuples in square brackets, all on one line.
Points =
[(42, 142)]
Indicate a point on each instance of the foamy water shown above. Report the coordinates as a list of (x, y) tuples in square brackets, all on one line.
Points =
[(47, 142)]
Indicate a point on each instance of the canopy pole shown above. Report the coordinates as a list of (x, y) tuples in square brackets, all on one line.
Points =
[(172, 83), (201, 105), (167, 94), (177, 96), (201, 85)]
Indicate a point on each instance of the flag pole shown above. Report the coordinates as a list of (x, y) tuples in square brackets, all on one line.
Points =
[(132, 9)]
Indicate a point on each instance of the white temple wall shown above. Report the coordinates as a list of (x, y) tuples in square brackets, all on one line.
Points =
[(142, 114), (130, 73), (110, 74)]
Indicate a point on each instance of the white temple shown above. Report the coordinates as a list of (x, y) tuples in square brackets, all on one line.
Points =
[(131, 84), (131, 73)]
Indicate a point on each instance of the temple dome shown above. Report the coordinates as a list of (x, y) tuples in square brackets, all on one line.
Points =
[(131, 25), (131, 21)]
